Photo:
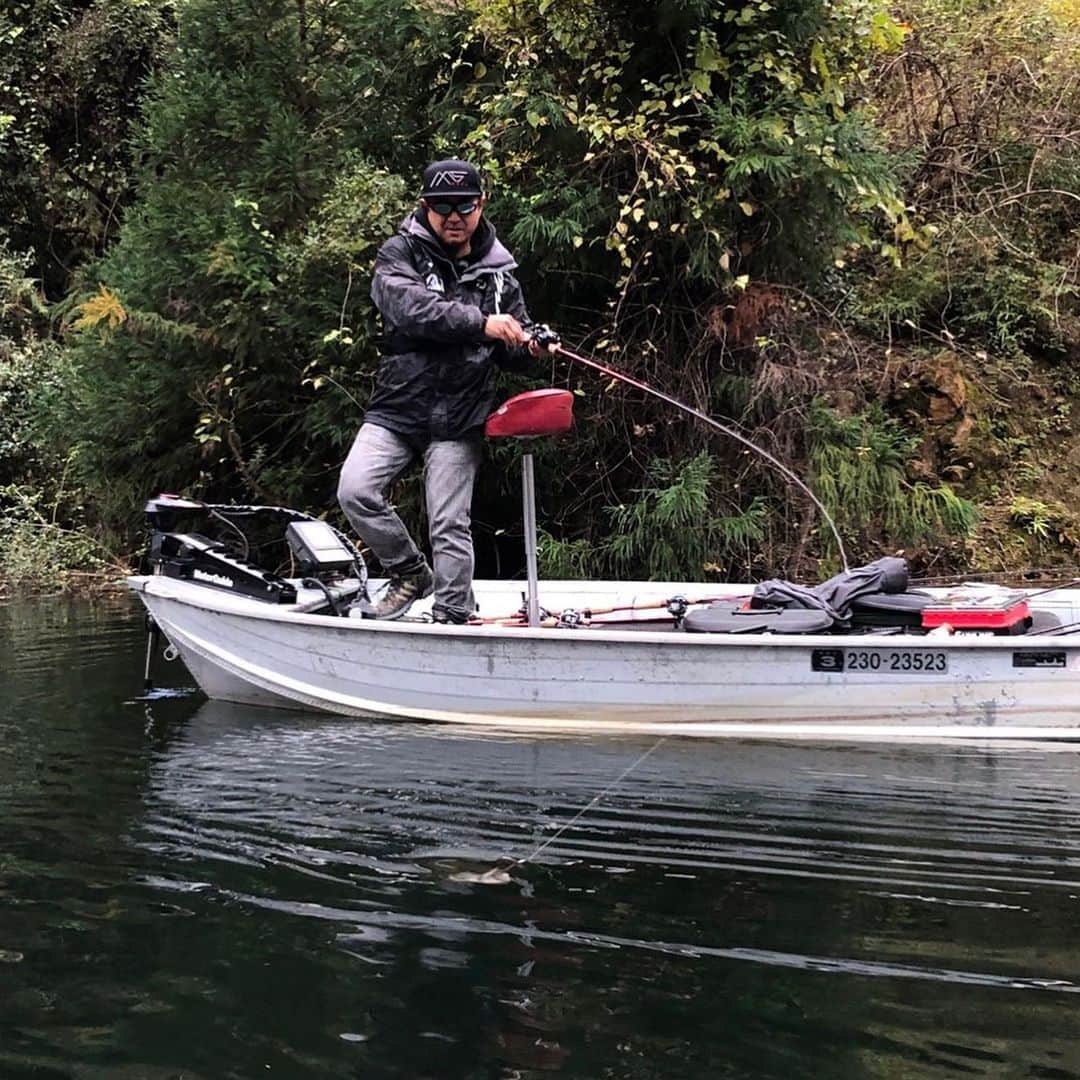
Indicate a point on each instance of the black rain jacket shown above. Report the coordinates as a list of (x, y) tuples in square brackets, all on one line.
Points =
[(436, 378)]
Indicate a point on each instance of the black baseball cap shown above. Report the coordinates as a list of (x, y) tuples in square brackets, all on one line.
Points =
[(450, 179)]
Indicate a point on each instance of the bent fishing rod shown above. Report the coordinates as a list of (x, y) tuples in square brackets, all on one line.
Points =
[(548, 339)]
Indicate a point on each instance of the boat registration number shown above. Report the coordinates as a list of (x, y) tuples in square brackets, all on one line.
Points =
[(881, 661)]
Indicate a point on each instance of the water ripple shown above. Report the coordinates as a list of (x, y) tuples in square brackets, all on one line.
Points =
[(303, 893)]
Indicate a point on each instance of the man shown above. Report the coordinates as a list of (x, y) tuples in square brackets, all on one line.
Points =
[(451, 309)]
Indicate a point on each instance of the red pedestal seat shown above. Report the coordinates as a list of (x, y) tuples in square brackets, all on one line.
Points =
[(536, 412)]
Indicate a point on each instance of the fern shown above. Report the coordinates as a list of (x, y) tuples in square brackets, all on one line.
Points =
[(858, 467), (566, 560), (673, 531), (103, 307)]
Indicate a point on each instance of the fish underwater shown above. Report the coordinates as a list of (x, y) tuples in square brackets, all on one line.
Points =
[(495, 876)]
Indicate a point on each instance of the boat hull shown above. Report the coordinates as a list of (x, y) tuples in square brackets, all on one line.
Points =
[(639, 680)]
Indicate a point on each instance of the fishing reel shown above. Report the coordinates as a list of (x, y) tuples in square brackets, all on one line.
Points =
[(572, 619), (545, 337), (677, 608)]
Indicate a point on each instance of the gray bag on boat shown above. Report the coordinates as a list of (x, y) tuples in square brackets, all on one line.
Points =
[(835, 596)]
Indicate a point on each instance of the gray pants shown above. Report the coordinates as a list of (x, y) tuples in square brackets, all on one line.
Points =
[(377, 458)]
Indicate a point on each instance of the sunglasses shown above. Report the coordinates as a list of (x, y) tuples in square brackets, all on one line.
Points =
[(445, 209)]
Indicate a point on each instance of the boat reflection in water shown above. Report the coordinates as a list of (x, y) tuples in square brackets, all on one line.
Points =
[(770, 909)]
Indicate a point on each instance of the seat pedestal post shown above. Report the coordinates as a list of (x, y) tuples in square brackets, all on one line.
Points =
[(528, 503), (526, 416)]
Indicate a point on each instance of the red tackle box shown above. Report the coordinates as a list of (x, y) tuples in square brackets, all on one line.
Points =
[(994, 611)]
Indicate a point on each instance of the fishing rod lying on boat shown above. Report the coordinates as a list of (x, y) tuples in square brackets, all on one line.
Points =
[(672, 608), (548, 339)]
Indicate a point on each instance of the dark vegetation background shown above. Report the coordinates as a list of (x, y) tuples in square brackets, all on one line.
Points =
[(851, 228)]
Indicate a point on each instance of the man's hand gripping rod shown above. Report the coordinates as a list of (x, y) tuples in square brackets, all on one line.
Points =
[(547, 340)]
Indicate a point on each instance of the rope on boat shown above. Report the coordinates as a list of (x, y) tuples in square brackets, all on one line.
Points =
[(585, 809)]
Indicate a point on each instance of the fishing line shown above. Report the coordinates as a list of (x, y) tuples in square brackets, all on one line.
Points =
[(1052, 589), (585, 809), (731, 433), (1006, 576)]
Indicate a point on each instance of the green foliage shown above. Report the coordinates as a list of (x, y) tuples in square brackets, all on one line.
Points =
[(42, 543), (38, 551), (242, 359), (649, 160), (564, 560), (32, 370), (31, 374), (205, 183), (71, 73), (1032, 515), (713, 138), (859, 472), (673, 531), (982, 105)]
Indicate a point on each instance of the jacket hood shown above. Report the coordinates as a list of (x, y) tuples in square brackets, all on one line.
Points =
[(489, 255)]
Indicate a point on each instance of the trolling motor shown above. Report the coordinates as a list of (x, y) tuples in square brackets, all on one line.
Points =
[(319, 551), (321, 554)]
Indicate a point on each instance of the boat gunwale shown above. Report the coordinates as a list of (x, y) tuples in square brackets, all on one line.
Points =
[(247, 607)]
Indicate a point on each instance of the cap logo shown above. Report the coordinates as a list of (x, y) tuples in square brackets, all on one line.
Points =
[(442, 179)]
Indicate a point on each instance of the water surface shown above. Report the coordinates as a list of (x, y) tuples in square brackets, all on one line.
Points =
[(191, 889)]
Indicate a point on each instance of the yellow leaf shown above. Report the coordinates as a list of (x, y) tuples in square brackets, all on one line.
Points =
[(747, 208), (103, 308), (223, 260)]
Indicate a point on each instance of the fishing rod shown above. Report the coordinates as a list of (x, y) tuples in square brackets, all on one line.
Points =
[(548, 339)]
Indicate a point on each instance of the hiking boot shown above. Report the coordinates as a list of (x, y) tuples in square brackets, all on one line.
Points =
[(401, 591), (448, 619)]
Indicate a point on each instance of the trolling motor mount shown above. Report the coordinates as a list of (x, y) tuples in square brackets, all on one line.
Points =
[(320, 551), (193, 557)]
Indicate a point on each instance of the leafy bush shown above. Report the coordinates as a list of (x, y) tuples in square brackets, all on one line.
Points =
[(222, 344), (674, 528), (42, 541), (699, 192), (41, 553), (859, 467), (982, 105), (71, 72)]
